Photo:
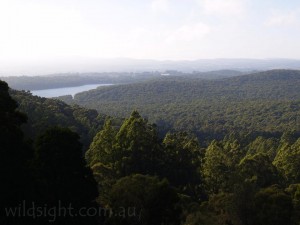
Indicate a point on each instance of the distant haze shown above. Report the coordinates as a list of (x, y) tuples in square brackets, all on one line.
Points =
[(53, 36), (134, 65)]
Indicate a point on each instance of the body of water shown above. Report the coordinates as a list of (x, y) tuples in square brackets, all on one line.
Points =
[(56, 92)]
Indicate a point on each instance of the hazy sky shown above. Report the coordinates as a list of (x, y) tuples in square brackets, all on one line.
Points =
[(50, 30)]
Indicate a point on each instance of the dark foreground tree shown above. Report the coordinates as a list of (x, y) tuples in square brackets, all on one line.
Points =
[(65, 178), (15, 176)]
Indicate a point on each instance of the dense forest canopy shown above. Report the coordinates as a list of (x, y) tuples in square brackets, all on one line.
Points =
[(229, 153), (261, 102)]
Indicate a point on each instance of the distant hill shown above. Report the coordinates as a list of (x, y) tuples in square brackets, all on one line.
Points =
[(121, 65), (261, 102), (77, 79), (74, 79)]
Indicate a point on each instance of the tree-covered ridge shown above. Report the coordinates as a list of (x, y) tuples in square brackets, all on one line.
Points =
[(74, 79), (44, 113), (261, 102), (276, 84), (78, 79)]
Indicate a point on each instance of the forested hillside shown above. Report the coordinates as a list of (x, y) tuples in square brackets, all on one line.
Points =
[(262, 102), (234, 161), (44, 113)]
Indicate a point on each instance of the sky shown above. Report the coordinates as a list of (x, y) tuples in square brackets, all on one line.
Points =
[(39, 31)]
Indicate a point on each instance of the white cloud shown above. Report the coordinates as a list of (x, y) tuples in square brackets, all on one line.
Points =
[(279, 18), (189, 33), (222, 7), (160, 5)]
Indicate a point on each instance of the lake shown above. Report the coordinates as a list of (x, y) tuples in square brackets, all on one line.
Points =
[(56, 92)]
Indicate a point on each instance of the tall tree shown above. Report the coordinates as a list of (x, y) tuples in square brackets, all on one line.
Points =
[(101, 157), (101, 149), (219, 168), (182, 162), (138, 147)]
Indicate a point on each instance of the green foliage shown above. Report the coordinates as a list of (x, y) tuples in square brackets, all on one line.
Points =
[(266, 102), (219, 210), (131, 149), (101, 158), (183, 154), (135, 148), (137, 143), (101, 149), (44, 113), (219, 168), (263, 145), (151, 201), (288, 161), (289, 137), (234, 181), (259, 169)]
